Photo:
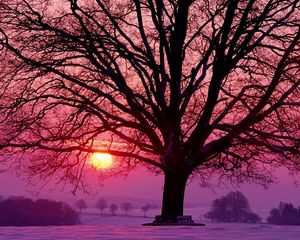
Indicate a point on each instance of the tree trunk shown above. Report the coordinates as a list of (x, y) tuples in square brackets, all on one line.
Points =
[(173, 194), (173, 199)]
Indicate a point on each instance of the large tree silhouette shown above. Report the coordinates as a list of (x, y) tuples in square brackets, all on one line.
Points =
[(182, 87)]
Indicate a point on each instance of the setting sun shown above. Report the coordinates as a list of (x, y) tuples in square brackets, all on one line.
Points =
[(101, 160)]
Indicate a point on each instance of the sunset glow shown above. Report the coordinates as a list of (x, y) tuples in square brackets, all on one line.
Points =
[(101, 160)]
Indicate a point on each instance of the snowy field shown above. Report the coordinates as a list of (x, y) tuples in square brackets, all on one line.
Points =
[(95, 226), (133, 231)]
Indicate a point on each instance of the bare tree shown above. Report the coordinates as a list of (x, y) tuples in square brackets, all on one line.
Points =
[(113, 208), (126, 206), (81, 204), (145, 208), (183, 88), (101, 204)]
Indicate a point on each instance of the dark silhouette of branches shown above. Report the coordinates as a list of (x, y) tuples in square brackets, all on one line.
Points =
[(180, 87)]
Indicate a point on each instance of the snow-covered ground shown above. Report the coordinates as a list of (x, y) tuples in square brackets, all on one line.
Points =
[(107, 227)]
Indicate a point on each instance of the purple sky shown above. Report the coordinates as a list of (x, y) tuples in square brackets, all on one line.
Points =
[(144, 185)]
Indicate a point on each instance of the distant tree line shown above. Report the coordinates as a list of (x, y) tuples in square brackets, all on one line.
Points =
[(102, 204), (21, 211), (233, 207), (285, 214)]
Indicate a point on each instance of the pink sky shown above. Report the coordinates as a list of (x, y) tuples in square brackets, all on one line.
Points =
[(144, 185)]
